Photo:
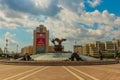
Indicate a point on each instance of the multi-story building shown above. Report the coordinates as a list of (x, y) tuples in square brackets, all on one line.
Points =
[(27, 50), (117, 43), (78, 48), (93, 49), (85, 49), (41, 40), (107, 47)]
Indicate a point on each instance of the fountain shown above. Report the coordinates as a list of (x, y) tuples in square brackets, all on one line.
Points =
[(58, 55)]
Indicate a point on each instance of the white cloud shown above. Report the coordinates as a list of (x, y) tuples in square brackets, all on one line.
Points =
[(104, 28), (63, 26), (94, 3), (94, 32), (89, 18), (7, 35), (4, 21), (10, 37), (11, 18), (11, 42), (42, 3), (117, 21), (71, 21), (2, 43), (22, 20), (35, 7), (66, 26), (29, 30), (76, 6), (116, 34)]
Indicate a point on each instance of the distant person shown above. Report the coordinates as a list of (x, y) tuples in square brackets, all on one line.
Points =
[(27, 57)]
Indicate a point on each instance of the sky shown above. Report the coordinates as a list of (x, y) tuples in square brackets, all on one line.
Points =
[(80, 21)]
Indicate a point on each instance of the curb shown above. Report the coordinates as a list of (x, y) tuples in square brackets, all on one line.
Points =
[(58, 63)]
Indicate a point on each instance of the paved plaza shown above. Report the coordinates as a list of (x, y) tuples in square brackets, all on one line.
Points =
[(91, 72)]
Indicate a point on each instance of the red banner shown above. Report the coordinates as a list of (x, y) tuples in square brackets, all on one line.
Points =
[(40, 42)]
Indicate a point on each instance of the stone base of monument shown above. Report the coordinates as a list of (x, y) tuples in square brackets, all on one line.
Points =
[(58, 63)]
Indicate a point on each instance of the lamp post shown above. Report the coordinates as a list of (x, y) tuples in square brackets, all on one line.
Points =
[(75, 46), (6, 48), (17, 48)]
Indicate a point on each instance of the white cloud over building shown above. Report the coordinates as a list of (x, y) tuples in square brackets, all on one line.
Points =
[(64, 19)]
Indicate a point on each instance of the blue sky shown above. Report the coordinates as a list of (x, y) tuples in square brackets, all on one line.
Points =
[(83, 21), (111, 6)]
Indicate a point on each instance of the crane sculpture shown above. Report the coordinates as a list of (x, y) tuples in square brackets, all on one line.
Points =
[(58, 47)]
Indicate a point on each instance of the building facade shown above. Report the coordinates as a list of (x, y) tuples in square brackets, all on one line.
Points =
[(30, 49), (41, 40), (27, 50), (78, 48), (92, 49), (117, 43)]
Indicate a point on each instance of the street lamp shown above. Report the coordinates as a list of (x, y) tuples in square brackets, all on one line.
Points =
[(17, 48), (6, 48)]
